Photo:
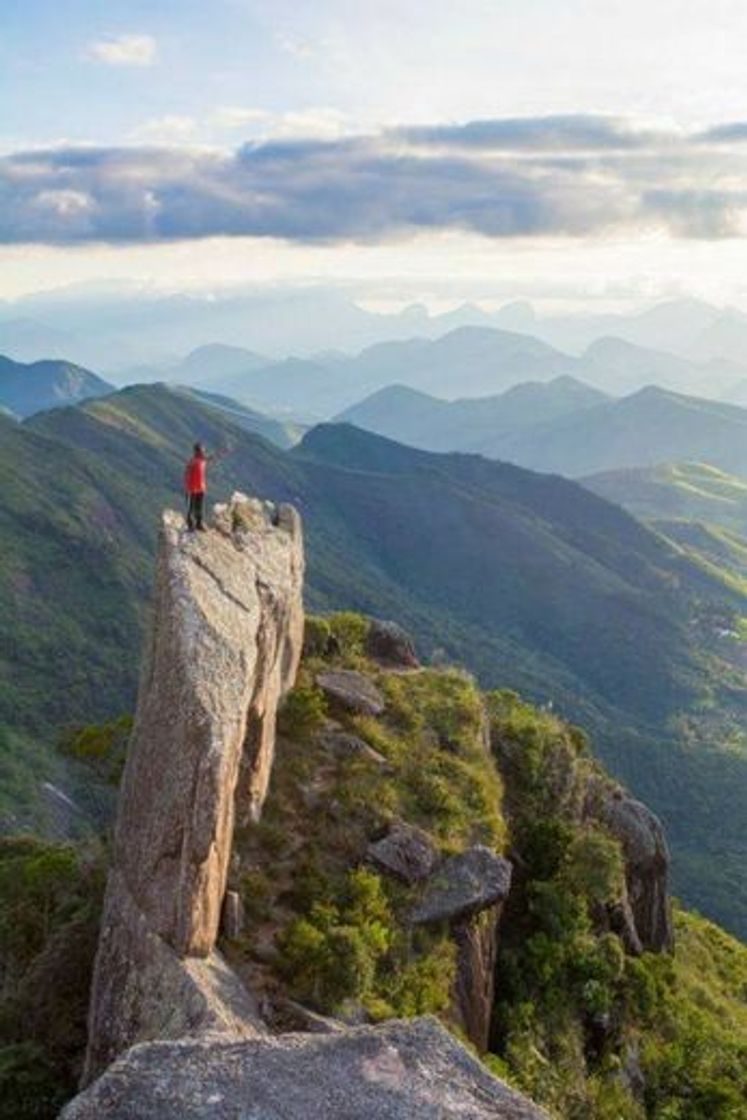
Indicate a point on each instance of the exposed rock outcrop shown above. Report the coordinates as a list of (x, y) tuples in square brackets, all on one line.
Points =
[(476, 940), (343, 744), (397, 1071), (465, 885), (647, 865), (226, 641), (580, 791), (468, 892), (389, 644), (352, 691), (405, 852)]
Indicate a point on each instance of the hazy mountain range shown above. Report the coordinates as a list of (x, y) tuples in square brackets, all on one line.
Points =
[(566, 427), (115, 328), (466, 362)]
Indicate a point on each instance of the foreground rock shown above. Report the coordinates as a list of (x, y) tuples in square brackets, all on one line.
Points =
[(398, 1071), (465, 885), (225, 646), (353, 691)]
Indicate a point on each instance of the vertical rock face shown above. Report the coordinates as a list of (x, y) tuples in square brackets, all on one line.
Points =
[(647, 864), (477, 949), (226, 641)]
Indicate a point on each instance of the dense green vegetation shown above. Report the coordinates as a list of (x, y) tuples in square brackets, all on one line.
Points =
[(592, 1033), (588, 1031), (340, 928), (529, 580), (50, 898), (578, 1024)]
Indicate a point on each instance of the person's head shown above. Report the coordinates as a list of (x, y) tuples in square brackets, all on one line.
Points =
[(199, 451)]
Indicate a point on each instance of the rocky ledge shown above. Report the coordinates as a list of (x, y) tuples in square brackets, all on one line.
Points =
[(397, 1071)]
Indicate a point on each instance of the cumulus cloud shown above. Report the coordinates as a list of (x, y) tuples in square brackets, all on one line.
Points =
[(570, 176), (123, 50)]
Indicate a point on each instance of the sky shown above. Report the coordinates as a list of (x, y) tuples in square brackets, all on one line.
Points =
[(495, 149)]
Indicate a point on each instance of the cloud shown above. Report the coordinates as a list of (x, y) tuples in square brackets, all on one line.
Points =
[(734, 132), (167, 129), (576, 177), (238, 116), (574, 132), (123, 50)]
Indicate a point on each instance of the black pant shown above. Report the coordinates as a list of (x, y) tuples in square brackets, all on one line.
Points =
[(195, 511)]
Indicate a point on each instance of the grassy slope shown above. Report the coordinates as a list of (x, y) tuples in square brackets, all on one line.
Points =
[(328, 929), (651, 426), (529, 580), (325, 927), (672, 491)]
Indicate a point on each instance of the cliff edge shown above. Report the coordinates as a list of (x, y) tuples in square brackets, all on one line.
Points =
[(225, 644)]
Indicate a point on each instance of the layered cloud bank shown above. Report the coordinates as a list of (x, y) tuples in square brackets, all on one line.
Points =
[(578, 176)]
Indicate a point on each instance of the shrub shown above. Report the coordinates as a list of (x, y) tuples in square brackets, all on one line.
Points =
[(303, 712), (101, 746), (349, 631), (333, 953), (316, 636), (594, 866)]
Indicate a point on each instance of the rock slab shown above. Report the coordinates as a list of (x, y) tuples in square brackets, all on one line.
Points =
[(397, 1071), (224, 647), (389, 644), (465, 885), (353, 691), (405, 852)]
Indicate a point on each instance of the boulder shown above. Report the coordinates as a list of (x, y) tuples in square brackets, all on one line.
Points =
[(343, 744), (396, 1071), (647, 866), (352, 691), (224, 647), (405, 852), (389, 644), (464, 885)]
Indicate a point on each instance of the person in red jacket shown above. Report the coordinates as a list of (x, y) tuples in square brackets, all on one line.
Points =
[(195, 487)]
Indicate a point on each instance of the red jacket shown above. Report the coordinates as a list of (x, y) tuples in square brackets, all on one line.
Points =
[(195, 476)]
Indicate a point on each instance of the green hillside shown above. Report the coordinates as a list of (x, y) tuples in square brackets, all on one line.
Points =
[(650, 427), (26, 389), (579, 1023), (415, 418), (530, 580), (686, 490), (568, 427)]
